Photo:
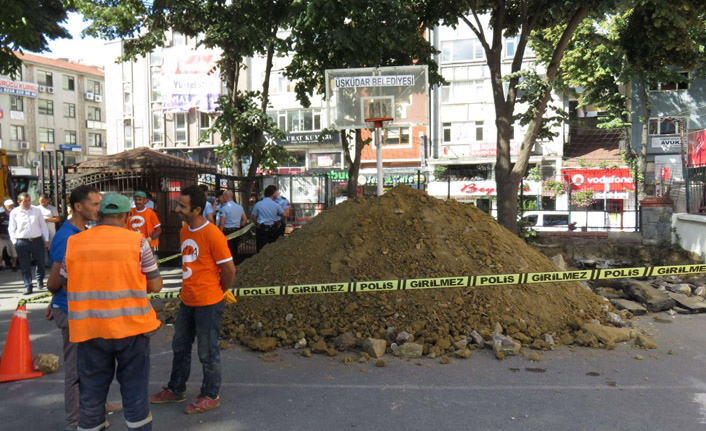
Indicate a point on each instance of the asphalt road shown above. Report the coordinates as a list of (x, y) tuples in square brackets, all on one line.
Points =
[(569, 389)]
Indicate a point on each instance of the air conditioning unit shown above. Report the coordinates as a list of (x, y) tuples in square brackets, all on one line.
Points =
[(50, 89), (98, 98), (23, 145), (42, 88), (88, 96)]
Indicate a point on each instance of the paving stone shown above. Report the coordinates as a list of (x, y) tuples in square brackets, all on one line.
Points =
[(625, 304), (695, 304), (652, 298)]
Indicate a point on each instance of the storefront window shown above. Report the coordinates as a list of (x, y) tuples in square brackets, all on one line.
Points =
[(325, 160)]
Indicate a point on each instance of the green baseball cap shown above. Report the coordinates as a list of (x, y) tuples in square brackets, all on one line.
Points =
[(113, 203), (140, 195)]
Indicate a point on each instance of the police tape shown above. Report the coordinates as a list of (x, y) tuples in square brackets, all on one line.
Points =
[(240, 232), (34, 299), (459, 282)]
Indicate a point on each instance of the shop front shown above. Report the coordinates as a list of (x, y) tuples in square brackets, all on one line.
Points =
[(482, 193)]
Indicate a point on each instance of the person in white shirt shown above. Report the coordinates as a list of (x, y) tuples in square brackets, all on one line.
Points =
[(28, 231), (5, 242), (51, 218)]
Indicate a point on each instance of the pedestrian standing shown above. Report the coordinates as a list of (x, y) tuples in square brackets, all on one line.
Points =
[(6, 244), (208, 271), (284, 203), (108, 272), (232, 219), (208, 212), (85, 202), (144, 220), (51, 218), (29, 234), (266, 214)]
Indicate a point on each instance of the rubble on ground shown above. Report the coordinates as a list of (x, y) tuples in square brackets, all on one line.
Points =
[(406, 234)]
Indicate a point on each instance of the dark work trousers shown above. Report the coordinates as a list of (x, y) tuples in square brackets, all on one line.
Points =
[(232, 243), (70, 371), (282, 227), (204, 324), (26, 251), (266, 234), (97, 360)]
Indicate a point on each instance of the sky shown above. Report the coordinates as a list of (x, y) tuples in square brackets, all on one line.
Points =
[(87, 50)]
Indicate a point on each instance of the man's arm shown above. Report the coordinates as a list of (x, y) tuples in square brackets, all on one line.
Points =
[(148, 266), (54, 216), (11, 228), (222, 221), (209, 217), (227, 274), (154, 285), (44, 229), (156, 233), (243, 220), (54, 284)]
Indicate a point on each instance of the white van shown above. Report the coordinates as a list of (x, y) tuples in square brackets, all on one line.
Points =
[(545, 220)]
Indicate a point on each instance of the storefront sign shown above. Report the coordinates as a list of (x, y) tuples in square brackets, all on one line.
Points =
[(389, 179), (667, 143), (600, 180), (69, 147), (311, 138), (697, 148), (190, 79), (17, 115), (18, 88), (475, 188)]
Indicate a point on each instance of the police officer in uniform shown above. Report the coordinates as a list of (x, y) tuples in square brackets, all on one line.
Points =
[(267, 214)]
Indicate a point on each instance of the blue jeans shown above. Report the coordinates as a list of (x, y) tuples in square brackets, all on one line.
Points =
[(26, 251), (96, 367), (204, 324)]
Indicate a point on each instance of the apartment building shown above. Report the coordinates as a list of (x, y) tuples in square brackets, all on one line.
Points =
[(52, 105)]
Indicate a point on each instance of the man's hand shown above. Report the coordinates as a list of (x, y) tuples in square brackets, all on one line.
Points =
[(46, 245), (49, 313)]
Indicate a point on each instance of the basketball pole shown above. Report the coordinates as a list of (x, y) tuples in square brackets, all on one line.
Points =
[(377, 124)]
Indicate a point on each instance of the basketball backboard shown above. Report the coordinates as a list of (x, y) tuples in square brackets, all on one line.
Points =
[(400, 92)]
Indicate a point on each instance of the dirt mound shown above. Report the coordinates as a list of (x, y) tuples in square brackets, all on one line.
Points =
[(404, 234)]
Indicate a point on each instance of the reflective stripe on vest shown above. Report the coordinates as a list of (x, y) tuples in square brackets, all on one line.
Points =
[(107, 291)]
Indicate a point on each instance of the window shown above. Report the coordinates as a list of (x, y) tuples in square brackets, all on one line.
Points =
[(69, 83), (17, 75), (293, 121), (95, 140), (70, 137), (479, 130), (127, 130), (157, 127), (156, 57), (94, 87), (17, 103), (396, 136), (302, 120), (280, 84), (127, 100), (682, 84), (664, 126), (325, 160), (511, 45), (446, 131), (17, 133), (461, 50), (178, 39), (204, 125), (45, 78), (46, 136), (462, 91), (93, 113), (298, 159), (156, 79), (180, 127), (46, 107), (512, 132), (69, 110)]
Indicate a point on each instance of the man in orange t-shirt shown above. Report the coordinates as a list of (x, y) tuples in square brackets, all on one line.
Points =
[(208, 271), (144, 220)]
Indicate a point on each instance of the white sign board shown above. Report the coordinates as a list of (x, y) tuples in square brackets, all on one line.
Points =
[(373, 81), (667, 143), (475, 188)]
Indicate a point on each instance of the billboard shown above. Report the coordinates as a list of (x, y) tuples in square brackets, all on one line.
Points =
[(18, 88), (697, 148), (190, 79), (600, 180)]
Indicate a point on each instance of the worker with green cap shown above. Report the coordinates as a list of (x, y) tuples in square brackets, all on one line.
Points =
[(108, 272), (144, 220)]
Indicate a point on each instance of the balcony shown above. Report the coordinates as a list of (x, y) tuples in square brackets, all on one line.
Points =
[(95, 125)]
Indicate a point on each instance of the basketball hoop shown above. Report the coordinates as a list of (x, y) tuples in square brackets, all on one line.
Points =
[(378, 121), (377, 124)]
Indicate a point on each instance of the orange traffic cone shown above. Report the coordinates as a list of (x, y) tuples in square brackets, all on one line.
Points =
[(16, 361)]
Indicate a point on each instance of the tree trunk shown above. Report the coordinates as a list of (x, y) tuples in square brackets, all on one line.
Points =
[(354, 165), (644, 141)]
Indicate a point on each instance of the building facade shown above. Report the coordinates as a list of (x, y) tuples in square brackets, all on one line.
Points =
[(52, 105)]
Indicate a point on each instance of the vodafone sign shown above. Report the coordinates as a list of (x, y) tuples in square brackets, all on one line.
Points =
[(617, 180)]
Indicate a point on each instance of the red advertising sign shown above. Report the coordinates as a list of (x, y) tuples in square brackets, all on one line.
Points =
[(598, 180), (697, 148)]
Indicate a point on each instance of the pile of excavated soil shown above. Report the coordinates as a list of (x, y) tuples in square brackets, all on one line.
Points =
[(404, 234)]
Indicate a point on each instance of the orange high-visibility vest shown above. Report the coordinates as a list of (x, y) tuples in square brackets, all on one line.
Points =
[(106, 288)]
